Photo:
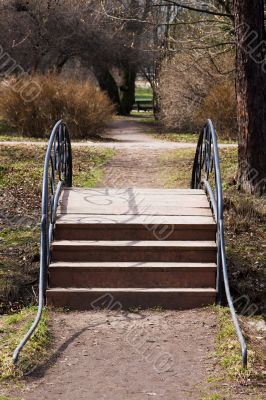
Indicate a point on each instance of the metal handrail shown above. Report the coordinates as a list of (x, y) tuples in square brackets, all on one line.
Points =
[(57, 174), (207, 161)]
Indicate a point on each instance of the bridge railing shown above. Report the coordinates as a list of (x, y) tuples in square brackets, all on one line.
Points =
[(207, 174), (57, 174)]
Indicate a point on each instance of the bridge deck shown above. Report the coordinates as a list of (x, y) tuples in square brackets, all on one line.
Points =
[(138, 202)]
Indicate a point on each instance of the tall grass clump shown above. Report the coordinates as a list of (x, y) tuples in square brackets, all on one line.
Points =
[(84, 107)]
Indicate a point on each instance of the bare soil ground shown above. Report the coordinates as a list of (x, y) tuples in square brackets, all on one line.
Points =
[(142, 355)]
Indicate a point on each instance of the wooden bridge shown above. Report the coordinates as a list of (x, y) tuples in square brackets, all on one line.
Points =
[(138, 247), (145, 247)]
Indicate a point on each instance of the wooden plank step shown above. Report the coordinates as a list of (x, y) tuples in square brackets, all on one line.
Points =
[(154, 210), (123, 298), (115, 275), (116, 191), (163, 251), (72, 202), (101, 227), (178, 221)]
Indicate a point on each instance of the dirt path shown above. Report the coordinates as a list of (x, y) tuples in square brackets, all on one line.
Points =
[(151, 354), (101, 355), (138, 156), (122, 134), (134, 168)]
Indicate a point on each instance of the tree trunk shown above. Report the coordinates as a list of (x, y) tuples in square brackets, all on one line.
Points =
[(127, 91), (251, 94), (108, 85)]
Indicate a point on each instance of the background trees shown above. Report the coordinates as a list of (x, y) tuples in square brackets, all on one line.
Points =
[(186, 49), (232, 27), (109, 37)]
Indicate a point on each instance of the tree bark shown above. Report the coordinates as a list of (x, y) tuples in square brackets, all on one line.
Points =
[(127, 91), (108, 84), (251, 94)]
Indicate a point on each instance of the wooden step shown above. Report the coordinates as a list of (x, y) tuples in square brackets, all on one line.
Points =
[(112, 251), (133, 202), (134, 275), (137, 227), (105, 191), (123, 298)]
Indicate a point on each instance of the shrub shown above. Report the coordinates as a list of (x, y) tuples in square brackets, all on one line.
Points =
[(82, 105), (220, 106), (192, 89)]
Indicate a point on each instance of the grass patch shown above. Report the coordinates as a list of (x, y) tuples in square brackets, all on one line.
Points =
[(9, 398), (146, 117), (230, 377), (214, 396), (21, 166), (88, 166), (12, 329), (186, 137), (176, 168), (143, 94), (177, 137), (8, 137), (228, 350)]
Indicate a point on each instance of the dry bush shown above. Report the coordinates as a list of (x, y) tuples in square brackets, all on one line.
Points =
[(193, 89), (81, 104), (220, 106), (182, 87)]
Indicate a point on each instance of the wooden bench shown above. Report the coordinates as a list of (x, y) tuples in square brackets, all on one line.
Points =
[(143, 105)]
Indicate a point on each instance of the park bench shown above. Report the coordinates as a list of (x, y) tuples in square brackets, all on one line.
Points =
[(143, 105)]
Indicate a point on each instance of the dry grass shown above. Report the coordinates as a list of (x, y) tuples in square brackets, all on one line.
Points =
[(81, 104)]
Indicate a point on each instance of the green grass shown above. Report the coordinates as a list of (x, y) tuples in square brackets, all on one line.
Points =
[(228, 350), (186, 137), (21, 166), (9, 398), (15, 138), (177, 137), (227, 354), (179, 173), (88, 168), (143, 94), (213, 396), (12, 329), (144, 117)]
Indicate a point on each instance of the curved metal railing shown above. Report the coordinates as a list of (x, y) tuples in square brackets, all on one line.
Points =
[(207, 174), (57, 173)]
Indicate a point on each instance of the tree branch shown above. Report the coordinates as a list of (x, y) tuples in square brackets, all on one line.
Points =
[(196, 9)]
